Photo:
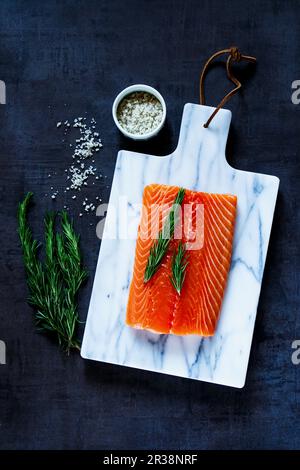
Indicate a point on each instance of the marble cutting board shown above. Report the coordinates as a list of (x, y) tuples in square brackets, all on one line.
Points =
[(198, 163)]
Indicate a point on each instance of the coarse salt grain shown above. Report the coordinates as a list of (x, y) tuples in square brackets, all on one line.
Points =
[(84, 147)]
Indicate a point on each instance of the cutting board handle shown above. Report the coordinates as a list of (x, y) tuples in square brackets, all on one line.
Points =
[(193, 136)]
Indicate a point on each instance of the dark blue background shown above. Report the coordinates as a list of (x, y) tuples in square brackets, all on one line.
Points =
[(60, 59)]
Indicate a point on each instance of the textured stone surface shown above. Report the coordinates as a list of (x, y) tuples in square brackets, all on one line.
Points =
[(198, 163)]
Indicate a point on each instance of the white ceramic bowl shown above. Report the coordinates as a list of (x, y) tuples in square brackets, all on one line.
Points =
[(128, 91)]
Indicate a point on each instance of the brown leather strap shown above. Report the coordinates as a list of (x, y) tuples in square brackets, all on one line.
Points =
[(234, 56)]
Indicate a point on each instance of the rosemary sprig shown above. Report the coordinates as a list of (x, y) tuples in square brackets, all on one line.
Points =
[(160, 246), (53, 285), (179, 265)]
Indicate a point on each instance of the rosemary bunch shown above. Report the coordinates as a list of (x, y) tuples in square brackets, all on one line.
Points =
[(179, 265), (161, 245), (53, 285)]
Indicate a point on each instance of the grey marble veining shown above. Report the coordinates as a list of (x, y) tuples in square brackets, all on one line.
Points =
[(198, 163)]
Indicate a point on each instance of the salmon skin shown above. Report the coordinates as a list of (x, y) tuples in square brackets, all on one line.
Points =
[(206, 226)]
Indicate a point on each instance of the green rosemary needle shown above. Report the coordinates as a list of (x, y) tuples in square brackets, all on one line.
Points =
[(161, 245), (179, 265), (54, 284)]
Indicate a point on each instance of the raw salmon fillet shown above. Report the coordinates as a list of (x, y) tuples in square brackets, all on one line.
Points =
[(155, 305)]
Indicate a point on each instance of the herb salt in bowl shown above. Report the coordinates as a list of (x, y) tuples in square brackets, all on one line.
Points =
[(139, 112)]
